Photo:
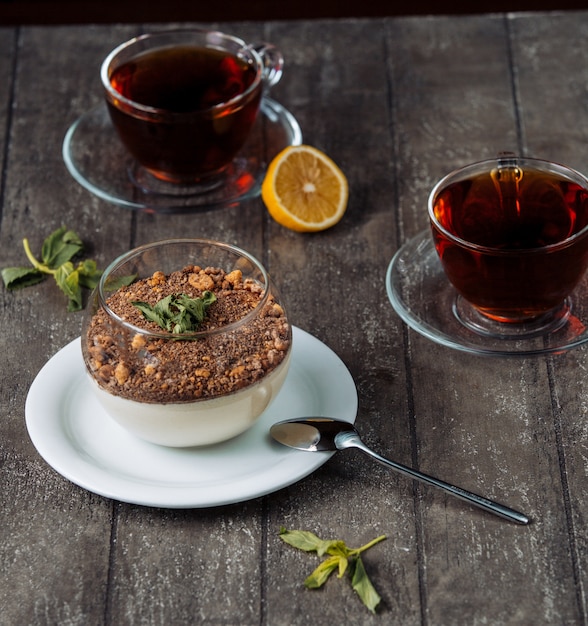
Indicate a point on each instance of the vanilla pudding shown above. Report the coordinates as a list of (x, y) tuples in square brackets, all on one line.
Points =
[(175, 380), (196, 423)]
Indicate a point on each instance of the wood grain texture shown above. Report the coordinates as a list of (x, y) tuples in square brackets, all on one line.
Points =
[(397, 103)]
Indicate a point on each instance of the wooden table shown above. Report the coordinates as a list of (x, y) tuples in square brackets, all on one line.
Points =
[(397, 103)]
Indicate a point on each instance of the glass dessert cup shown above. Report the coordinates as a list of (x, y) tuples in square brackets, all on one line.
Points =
[(512, 237), (197, 387)]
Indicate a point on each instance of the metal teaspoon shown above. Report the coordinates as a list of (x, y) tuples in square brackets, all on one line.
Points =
[(315, 434)]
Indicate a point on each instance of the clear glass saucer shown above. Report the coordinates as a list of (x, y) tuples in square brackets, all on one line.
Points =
[(423, 297), (97, 160)]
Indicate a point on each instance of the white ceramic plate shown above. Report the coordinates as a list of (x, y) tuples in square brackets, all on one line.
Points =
[(77, 438)]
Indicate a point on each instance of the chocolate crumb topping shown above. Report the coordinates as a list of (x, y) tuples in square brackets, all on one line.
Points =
[(144, 368)]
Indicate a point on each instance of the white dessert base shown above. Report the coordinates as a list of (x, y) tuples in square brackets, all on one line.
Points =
[(198, 423)]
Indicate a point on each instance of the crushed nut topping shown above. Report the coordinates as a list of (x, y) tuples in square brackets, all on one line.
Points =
[(146, 369)]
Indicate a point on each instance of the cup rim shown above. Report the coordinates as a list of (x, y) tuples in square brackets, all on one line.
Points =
[(156, 111), (542, 165), (117, 263)]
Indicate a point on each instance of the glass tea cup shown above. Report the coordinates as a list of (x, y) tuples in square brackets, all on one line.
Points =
[(183, 102), (512, 237)]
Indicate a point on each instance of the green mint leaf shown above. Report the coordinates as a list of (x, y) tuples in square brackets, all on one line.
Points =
[(60, 247), (150, 313), (339, 559), (113, 283), (57, 253), (75, 292), (19, 277), (343, 563), (68, 280), (301, 539), (164, 309), (89, 274), (363, 586), (320, 575), (177, 314), (309, 542), (196, 307), (334, 548), (182, 320)]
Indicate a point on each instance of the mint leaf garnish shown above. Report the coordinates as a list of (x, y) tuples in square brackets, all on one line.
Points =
[(340, 558), (177, 313), (61, 246), (363, 586), (18, 277), (58, 254)]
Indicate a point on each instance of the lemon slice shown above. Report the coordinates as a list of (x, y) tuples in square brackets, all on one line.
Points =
[(304, 190)]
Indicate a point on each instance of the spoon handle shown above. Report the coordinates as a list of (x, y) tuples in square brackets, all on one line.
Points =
[(351, 440)]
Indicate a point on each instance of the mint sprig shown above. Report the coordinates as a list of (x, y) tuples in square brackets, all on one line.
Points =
[(177, 313), (341, 558), (58, 254)]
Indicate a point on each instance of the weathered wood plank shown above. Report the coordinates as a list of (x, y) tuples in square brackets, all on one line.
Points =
[(205, 562), (339, 91), (56, 553), (8, 54), (551, 79)]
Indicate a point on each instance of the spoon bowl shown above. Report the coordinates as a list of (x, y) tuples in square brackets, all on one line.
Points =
[(321, 434), (314, 434)]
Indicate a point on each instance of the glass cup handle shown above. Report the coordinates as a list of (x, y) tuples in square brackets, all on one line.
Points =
[(272, 60)]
